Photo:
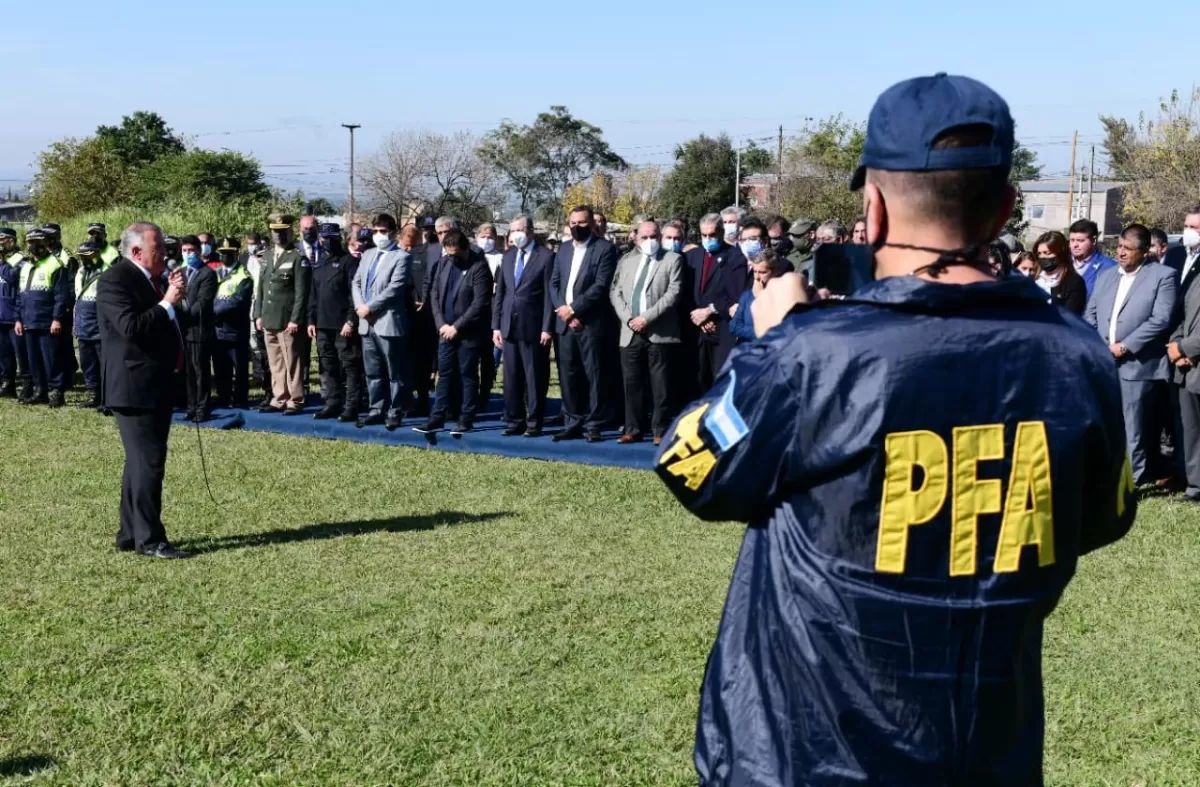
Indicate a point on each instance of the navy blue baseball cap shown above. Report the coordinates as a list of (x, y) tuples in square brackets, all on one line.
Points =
[(331, 231), (910, 116)]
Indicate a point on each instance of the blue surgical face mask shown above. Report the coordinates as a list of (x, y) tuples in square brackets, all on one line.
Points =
[(711, 245), (192, 259), (671, 244), (751, 247), (206, 249)]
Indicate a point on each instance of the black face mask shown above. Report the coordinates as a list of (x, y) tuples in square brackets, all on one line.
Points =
[(782, 245), (229, 258), (281, 237), (37, 251), (310, 236), (1048, 263), (581, 234), (332, 245)]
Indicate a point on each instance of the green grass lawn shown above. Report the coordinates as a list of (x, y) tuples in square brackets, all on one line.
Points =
[(364, 615)]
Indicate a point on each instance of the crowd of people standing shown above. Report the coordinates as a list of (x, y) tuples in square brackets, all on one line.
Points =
[(413, 323)]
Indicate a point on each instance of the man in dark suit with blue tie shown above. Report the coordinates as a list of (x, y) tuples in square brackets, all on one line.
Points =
[(522, 326), (712, 273), (579, 285)]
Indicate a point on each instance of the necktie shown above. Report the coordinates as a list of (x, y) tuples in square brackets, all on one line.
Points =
[(371, 272), (637, 288), (520, 267), (706, 273)]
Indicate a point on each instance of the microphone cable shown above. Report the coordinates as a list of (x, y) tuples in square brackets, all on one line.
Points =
[(193, 379)]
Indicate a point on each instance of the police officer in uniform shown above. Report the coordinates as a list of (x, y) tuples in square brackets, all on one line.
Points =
[(231, 310), (108, 253), (42, 303), (333, 324), (13, 362), (87, 324), (884, 622), (281, 313), (801, 255), (70, 363)]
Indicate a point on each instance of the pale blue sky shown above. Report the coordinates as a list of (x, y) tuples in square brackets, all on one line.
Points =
[(284, 76)]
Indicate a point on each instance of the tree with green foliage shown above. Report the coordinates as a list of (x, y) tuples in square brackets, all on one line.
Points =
[(1159, 160), (141, 139), (320, 206), (541, 161), (76, 176), (201, 175), (817, 169), (1024, 167), (702, 179)]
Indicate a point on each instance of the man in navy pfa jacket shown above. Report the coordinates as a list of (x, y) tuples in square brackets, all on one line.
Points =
[(579, 284), (911, 525), (522, 326)]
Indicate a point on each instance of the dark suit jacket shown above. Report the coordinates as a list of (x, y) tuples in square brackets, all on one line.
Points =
[(523, 312), (592, 283), (139, 344), (725, 278), (199, 301), (423, 279), (472, 300)]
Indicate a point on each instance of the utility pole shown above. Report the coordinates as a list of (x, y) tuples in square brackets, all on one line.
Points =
[(350, 214), (779, 177), (1091, 181), (1071, 182), (737, 178)]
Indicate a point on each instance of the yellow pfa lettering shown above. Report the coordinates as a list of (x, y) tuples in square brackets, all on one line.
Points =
[(688, 458), (973, 496), (904, 507), (1027, 512), (1126, 486)]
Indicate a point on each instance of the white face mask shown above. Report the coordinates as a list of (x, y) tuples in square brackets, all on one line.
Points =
[(381, 241), (731, 230), (649, 247), (518, 239), (672, 244), (487, 244), (252, 249), (1191, 238)]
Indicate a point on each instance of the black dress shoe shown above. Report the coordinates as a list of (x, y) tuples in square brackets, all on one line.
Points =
[(593, 436), (512, 431), (91, 402), (371, 420), (55, 399), (348, 417), (533, 432), (325, 413), (429, 427), (392, 423), (568, 434), (269, 408), (460, 429), (8, 389), (104, 411), (162, 551)]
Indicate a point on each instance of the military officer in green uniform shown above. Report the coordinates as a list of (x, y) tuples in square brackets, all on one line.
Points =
[(802, 232), (281, 313)]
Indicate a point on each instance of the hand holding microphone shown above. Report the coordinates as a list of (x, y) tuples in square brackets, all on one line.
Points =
[(176, 288)]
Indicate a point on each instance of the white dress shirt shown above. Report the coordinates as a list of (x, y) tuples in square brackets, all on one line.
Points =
[(163, 303), (576, 263), (1123, 286), (1191, 260)]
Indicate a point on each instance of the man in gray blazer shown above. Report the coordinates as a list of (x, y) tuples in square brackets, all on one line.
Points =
[(1132, 307), (381, 292), (645, 295)]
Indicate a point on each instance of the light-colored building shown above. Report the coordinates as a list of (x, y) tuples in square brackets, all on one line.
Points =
[(1046, 205)]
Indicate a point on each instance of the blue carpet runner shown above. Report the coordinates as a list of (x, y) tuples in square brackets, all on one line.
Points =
[(485, 438)]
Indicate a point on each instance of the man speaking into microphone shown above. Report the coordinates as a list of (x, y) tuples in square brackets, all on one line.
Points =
[(141, 346)]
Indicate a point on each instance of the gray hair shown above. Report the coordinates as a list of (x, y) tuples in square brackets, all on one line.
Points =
[(677, 225), (446, 221), (733, 210), (484, 227), (709, 218), (832, 227), (522, 217), (135, 235)]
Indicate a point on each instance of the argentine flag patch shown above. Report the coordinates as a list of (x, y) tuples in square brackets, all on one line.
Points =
[(723, 420)]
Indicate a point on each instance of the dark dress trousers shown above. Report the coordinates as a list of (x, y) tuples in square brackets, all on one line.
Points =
[(200, 336), (331, 308), (140, 349), (522, 313), (461, 296), (703, 286), (581, 353)]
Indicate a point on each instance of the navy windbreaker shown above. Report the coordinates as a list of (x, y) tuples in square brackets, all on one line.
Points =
[(921, 466)]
